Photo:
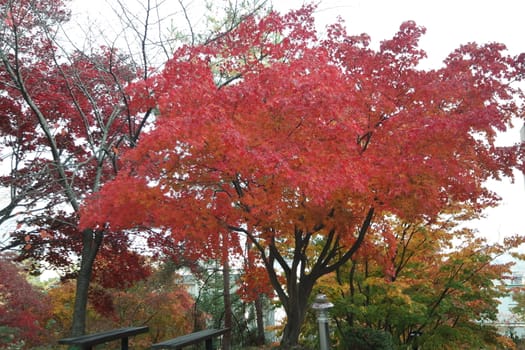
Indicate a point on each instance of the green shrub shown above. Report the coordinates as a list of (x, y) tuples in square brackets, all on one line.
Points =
[(360, 338)]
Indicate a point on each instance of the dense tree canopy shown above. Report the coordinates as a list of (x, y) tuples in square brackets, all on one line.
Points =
[(298, 142)]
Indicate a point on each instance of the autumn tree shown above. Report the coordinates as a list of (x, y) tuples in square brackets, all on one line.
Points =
[(62, 302), (159, 301), (24, 309), (298, 143), (432, 279), (66, 117)]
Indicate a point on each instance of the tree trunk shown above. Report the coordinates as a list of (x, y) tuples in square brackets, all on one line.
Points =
[(227, 338), (259, 317), (91, 242), (292, 329), (296, 308), (299, 282)]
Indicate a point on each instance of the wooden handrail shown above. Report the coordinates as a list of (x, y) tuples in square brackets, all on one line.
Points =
[(86, 342)]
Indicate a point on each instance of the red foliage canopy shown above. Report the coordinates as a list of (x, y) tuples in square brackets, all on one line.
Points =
[(317, 123), (64, 119), (292, 139)]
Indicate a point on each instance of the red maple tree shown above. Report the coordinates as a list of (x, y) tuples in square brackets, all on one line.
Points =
[(64, 117), (298, 142)]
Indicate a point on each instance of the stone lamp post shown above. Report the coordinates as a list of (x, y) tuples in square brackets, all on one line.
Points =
[(321, 305)]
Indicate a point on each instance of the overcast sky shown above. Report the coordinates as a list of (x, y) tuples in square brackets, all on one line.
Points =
[(449, 23)]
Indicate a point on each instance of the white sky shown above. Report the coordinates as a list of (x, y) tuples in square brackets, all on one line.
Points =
[(449, 23)]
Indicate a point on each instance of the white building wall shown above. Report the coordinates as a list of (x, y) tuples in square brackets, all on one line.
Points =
[(508, 323)]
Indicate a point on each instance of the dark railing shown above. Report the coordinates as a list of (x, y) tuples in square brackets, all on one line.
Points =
[(206, 336), (86, 342)]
